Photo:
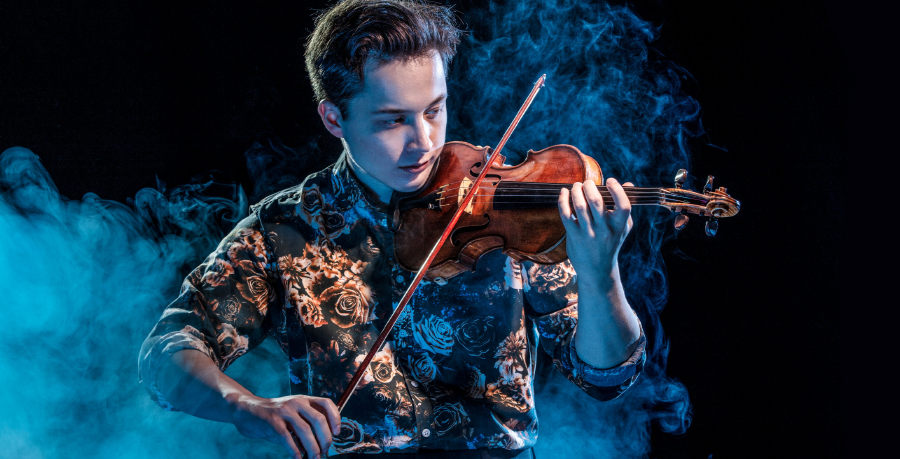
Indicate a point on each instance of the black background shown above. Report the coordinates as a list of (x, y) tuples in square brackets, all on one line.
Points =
[(112, 95)]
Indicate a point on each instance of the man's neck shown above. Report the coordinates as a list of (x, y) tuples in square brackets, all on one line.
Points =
[(376, 192)]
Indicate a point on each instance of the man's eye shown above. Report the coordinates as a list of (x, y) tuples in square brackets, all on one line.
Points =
[(434, 111), (394, 121)]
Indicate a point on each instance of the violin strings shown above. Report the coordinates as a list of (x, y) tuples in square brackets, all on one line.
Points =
[(658, 194), (550, 193), (539, 183), (491, 201), (555, 190), (537, 192), (608, 205), (636, 200), (546, 186), (524, 197), (554, 196)]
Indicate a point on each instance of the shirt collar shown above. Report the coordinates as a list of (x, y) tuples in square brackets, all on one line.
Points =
[(348, 188)]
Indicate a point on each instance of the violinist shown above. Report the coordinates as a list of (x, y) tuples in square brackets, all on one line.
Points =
[(313, 266)]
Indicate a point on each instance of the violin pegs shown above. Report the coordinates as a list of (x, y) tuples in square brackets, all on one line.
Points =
[(709, 184), (712, 226), (680, 177), (681, 221)]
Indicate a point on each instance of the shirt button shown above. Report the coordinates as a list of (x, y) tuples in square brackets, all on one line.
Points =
[(426, 433), (399, 278), (414, 384)]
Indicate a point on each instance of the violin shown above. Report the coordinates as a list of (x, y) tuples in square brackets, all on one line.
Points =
[(515, 207)]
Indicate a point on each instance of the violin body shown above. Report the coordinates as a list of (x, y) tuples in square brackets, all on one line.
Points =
[(496, 217)]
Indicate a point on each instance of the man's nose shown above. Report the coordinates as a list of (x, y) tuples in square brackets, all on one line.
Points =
[(421, 137)]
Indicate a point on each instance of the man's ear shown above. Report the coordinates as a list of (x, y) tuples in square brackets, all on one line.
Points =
[(331, 118)]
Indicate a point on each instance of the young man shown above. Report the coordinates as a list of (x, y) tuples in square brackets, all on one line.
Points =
[(314, 267)]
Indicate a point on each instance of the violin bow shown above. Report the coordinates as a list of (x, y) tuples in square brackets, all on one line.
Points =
[(376, 347)]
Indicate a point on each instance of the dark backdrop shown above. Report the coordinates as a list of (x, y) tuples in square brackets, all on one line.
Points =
[(112, 95)]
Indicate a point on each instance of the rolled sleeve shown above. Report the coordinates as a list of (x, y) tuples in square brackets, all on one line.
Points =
[(221, 311), (619, 377), (157, 349), (552, 302)]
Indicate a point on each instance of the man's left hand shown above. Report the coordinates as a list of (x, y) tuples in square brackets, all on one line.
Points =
[(594, 235)]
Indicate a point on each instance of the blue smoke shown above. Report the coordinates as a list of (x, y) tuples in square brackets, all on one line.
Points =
[(609, 95), (83, 283)]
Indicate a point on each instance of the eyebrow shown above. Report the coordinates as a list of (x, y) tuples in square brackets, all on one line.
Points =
[(398, 111)]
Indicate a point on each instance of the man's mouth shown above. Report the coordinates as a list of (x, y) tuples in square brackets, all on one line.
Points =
[(416, 168)]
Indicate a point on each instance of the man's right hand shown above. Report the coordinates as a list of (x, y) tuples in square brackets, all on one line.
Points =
[(311, 421), (192, 383)]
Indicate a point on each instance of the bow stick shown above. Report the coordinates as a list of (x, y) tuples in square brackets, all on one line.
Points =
[(437, 247)]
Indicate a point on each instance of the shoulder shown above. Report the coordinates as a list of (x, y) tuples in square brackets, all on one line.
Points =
[(286, 204)]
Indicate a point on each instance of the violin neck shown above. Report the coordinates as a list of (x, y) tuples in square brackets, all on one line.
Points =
[(520, 195)]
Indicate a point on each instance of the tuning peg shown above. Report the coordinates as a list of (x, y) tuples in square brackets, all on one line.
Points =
[(709, 184), (680, 221), (712, 226), (680, 177)]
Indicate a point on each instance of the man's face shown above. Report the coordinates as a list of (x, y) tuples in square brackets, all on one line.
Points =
[(397, 124)]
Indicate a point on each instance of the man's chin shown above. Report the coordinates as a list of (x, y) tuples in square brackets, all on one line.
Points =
[(415, 183), (412, 186)]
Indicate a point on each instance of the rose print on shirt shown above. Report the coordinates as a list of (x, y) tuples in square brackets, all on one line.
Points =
[(434, 335), (307, 308), (474, 385), (321, 216), (346, 341), (423, 368), (382, 366), (256, 291), (248, 250), (325, 284), (389, 400), (349, 303), (311, 201), (547, 278), (476, 335), (216, 273), (232, 344), (353, 439), (227, 309), (449, 417)]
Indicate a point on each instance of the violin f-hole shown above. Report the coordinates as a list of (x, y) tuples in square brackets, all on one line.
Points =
[(469, 229)]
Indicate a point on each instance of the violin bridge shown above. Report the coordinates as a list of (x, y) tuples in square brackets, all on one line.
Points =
[(464, 187)]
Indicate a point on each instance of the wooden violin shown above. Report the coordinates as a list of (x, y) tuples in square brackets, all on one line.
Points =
[(515, 207)]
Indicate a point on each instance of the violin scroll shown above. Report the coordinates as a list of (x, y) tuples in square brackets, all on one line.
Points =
[(712, 203)]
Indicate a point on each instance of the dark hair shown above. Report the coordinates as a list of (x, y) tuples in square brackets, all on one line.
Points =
[(353, 31)]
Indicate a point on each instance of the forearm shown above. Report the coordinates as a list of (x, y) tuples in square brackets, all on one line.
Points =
[(608, 330), (194, 384)]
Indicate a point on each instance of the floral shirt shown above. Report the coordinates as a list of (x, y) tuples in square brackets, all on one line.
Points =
[(313, 266)]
